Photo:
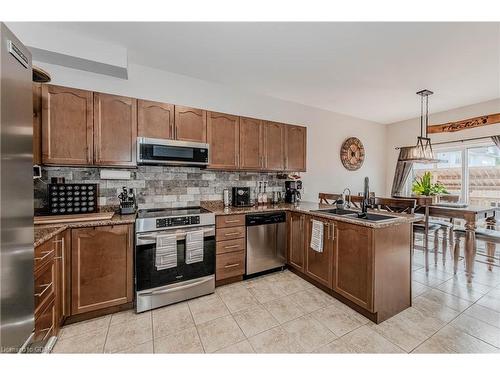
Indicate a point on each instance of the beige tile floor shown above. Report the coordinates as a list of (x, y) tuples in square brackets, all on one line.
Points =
[(282, 313)]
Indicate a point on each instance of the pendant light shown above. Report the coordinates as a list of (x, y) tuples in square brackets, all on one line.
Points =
[(422, 151)]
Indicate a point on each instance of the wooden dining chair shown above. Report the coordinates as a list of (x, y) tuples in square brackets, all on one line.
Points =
[(331, 198), (490, 236), (409, 205)]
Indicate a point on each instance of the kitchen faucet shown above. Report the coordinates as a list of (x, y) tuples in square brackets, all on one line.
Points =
[(366, 198), (348, 203)]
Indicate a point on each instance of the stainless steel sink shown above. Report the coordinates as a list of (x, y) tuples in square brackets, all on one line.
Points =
[(369, 216), (337, 211), (374, 217)]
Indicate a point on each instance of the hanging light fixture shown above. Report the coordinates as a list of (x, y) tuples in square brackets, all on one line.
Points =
[(422, 151)]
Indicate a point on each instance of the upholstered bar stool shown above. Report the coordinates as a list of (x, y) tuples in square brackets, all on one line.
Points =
[(489, 236)]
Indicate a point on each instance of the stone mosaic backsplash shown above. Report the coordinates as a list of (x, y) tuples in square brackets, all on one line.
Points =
[(159, 186)]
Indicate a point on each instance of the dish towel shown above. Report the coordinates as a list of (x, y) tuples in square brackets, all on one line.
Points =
[(317, 236), (194, 247), (166, 251)]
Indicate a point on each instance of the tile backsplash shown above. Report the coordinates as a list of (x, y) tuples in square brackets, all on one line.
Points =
[(159, 186)]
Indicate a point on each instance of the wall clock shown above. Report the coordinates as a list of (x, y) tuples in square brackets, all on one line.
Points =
[(352, 154)]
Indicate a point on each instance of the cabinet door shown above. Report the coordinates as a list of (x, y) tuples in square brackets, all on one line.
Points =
[(115, 130), (37, 123), (66, 126), (318, 265), (296, 240), (274, 140), (101, 267), (224, 140), (62, 270), (295, 148), (353, 264), (190, 124), (251, 144), (155, 120)]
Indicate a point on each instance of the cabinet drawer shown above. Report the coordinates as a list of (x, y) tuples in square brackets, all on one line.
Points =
[(230, 246), (45, 252), (44, 284), (45, 322), (229, 221), (224, 234), (230, 265)]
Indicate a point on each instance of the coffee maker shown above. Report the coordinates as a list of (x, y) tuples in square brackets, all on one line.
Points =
[(292, 191)]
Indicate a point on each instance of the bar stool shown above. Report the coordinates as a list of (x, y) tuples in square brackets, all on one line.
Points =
[(490, 236), (446, 228), (434, 229)]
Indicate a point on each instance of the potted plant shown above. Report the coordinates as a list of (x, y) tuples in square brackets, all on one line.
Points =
[(424, 186)]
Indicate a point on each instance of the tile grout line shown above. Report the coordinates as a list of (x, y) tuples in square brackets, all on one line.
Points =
[(470, 334), (196, 327)]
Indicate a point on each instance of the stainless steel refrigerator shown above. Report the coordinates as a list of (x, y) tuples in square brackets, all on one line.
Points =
[(16, 192)]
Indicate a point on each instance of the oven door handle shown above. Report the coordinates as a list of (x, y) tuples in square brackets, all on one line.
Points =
[(151, 238), (174, 289)]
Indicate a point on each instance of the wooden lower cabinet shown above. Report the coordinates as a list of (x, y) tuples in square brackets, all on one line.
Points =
[(62, 262), (353, 264), (230, 258), (101, 267), (367, 268), (319, 265), (296, 240), (46, 324)]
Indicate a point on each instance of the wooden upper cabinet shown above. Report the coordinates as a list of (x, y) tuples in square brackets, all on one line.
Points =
[(353, 264), (319, 265), (155, 120), (66, 126), (37, 123), (274, 139), (295, 140), (190, 124), (115, 130), (223, 137), (296, 240), (251, 144), (101, 267)]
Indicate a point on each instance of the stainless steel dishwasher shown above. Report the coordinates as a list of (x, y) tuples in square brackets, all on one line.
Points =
[(266, 241)]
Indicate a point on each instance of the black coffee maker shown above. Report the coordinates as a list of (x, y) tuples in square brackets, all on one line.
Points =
[(292, 191)]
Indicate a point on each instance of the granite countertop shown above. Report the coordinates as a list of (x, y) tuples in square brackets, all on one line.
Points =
[(45, 232), (307, 207)]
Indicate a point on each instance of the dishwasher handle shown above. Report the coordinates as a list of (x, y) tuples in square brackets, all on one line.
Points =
[(265, 218)]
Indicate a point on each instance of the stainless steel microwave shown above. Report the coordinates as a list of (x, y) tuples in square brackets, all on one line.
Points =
[(170, 152)]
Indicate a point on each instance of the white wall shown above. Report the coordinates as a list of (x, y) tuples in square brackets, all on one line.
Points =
[(404, 133), (326, 130)]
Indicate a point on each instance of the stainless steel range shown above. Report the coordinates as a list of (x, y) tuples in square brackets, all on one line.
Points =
[(174, 255)]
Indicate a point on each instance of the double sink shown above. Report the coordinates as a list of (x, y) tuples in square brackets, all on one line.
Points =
[(369, 216)]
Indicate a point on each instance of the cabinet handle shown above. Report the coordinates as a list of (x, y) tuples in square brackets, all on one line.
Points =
[(232, 221), (47, 253), (45, 288), (333, 232), (48, 331), (231, 247), (327, 225), (231, 234), (231, 265)]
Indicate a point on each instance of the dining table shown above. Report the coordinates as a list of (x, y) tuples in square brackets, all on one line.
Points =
[(471, 215)]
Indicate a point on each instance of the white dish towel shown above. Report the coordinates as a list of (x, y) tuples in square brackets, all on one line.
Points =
[(194, 247), (166, 251), (317, 236)]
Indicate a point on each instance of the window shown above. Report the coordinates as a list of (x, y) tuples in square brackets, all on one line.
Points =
[(471, 174), (484, 176), (448, 172)]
